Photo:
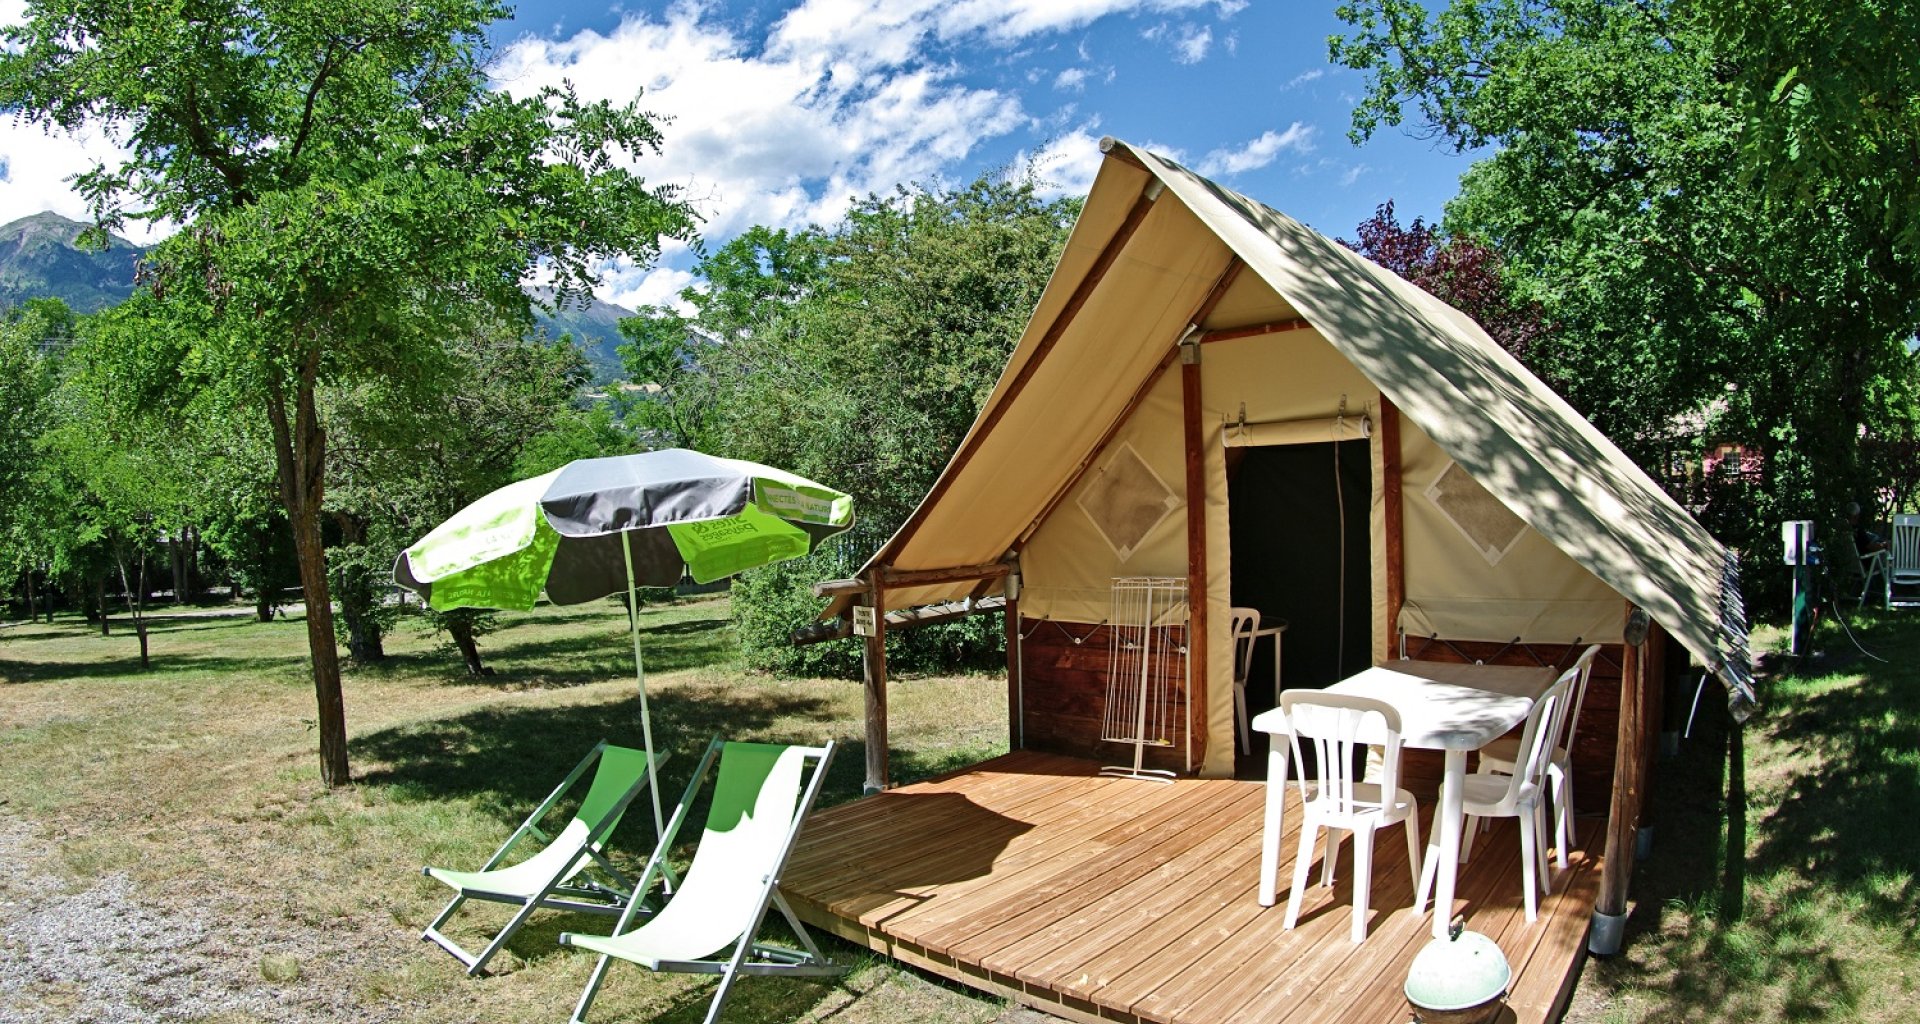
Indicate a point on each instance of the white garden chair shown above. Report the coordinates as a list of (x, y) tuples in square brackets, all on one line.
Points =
[(1903, 562), (1241, 626), (1500, 756), (1340, 728), (1520, 796)]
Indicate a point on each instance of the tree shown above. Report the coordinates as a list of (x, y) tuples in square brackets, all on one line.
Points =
[(860, 353), (32, 337), (1694, 285), (402, 467), (353, 193), (1457, 269)]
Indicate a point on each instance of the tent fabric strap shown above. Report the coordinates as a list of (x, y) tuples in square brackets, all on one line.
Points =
[(1241, 434)]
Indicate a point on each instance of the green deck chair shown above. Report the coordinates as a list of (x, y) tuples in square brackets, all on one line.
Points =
[(758, 806), (552, 878)]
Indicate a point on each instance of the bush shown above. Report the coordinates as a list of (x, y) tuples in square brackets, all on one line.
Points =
[(770, 603)]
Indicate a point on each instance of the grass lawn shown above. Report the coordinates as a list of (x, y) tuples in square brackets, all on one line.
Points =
[(1808, 907), (168, 853)]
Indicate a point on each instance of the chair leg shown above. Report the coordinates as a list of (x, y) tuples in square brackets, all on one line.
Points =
[(1529, 863), (1563, 814), (1466, 837), (1332, 859), (1362, 881), (593, 989), (1540, 833), (1240, 710), (1302, 860), (513, 925), (1413, 847)]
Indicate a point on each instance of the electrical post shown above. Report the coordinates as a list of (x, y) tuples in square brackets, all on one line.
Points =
[(1797, 538)]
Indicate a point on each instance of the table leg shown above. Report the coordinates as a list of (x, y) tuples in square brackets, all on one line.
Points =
[(1278, 749), (1443, 856)]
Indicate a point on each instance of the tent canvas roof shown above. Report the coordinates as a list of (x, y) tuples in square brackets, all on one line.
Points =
[(1519, 439)]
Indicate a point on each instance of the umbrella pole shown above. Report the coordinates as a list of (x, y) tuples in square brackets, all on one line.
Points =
[(640, 675)]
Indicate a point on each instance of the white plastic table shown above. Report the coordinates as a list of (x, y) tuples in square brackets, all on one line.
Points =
[(1451, 708)]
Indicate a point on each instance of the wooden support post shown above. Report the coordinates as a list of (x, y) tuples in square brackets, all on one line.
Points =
[(1016, 739), (1652, 696), (1629, 779), (1392, 523), (1197, 660), (875, 668)]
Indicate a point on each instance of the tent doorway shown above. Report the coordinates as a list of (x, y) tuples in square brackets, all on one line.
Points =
[(1298, 516)]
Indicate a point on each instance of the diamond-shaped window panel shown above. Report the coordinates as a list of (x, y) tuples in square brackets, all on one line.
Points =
[(1126, 501), (1490, 526)]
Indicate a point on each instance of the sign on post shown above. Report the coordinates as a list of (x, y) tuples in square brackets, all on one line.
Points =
[(864, 623)]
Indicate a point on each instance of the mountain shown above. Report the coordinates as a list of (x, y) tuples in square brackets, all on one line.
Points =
[(38, 259), (595, 328)]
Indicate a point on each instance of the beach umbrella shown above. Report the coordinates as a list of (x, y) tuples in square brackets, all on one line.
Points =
[(596, 527)]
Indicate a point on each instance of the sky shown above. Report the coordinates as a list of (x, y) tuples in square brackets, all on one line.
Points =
[(779, 113)]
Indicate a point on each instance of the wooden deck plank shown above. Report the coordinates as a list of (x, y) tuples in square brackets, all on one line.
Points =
[(1284, 972), (1107, 891), (908, 822), (1489, 916), (1108, 940), (964, 926), (1024, 858), (1097, 901)]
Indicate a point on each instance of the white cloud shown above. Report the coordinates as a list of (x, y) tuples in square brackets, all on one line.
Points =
[(1192, 46), (1303, 78), (1353, 174), (1258, 153), (656, 286), (1066, 165), (1074, 79), (44, 182), (887, 33)]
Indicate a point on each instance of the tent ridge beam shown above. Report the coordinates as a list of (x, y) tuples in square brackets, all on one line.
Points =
[(1254, 331), (905, 618), (952, 574)]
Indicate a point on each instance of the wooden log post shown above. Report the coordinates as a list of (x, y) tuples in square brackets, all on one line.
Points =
[(1623, 819), (1016, 738), (1393, 525), (875, 671), (1197, 632)]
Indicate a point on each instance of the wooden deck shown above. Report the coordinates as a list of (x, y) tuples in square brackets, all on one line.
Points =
[(1030, 877)]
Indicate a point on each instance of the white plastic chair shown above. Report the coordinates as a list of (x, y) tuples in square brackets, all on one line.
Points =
[(1903, 567), (759, 803), (1340, 727), (1241, 626), (1519, 796), (1500, 756)]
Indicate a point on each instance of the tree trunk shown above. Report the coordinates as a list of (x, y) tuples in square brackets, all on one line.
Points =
[(136, 598), (177, 561), (33, 610), (100, 602), (262, 604), (299, 448), (461, 629)]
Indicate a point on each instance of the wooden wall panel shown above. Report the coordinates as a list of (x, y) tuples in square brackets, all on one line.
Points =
[(1066, 691), (1066, 684)]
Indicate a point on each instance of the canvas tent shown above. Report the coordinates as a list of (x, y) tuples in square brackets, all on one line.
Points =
[(1185, 322)]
